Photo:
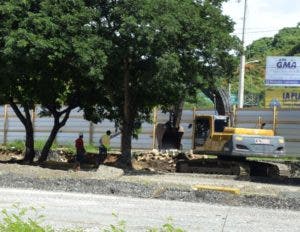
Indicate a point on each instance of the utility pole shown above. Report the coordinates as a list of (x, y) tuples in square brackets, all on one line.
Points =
[(242, 63)]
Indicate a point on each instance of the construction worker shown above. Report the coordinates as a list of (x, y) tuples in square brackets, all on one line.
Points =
[(80, 151), (105, 145)]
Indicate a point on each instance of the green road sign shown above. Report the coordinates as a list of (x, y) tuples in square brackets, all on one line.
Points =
[(233, 99)]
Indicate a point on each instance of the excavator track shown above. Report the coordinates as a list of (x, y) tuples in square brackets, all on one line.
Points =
[(213, 166), (269, 169), (243, 168)]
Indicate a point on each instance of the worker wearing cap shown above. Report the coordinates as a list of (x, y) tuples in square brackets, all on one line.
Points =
[(105, 145)]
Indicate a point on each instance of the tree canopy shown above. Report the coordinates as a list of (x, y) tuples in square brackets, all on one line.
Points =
[(51, 55), (114, 59), (161, 51)]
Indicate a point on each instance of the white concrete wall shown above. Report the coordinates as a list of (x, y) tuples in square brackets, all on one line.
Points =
[(288, 126)]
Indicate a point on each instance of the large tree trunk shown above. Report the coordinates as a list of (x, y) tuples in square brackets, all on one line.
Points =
[(127, 121), (56, 127), (29, 143), (27, 123), (126, 138), (178, 108), (48, 144)]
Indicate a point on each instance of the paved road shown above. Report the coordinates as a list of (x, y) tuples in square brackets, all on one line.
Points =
[(95, 211)]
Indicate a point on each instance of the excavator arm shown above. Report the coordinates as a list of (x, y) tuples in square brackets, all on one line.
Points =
[(169, 134)]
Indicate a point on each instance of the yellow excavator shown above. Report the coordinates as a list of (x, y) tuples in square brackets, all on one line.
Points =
[(213, 135)]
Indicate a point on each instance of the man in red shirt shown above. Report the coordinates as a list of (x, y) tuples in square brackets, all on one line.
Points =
[(80, 151)]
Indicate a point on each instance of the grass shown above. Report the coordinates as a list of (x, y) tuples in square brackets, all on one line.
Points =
[(38, 145), (19, 222)]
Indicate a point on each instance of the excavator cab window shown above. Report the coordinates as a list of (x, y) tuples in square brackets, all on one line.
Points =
[(202, 131), (220, 124)]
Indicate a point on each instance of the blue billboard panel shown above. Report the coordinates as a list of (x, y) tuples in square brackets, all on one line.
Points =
[(283, 71)]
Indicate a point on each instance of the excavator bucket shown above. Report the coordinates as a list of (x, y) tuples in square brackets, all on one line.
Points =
[(168, 137)]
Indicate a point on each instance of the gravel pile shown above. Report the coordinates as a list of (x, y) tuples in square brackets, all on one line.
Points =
[(109, 180)]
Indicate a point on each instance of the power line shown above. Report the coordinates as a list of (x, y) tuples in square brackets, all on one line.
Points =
[(254, 32), (260, 28)]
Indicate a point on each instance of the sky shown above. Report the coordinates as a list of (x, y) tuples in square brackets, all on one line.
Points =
[(264, 17)]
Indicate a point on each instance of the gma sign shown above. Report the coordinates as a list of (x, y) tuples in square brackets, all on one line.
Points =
[(283, 71), (282, 97)]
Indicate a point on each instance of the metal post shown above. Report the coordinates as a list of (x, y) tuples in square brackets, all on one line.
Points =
[(215, 104), (5, 124), (242, 63), (154, 128), (234, 116), (274, 119), (259, 122), (91, 133), (194, 127), (33, 116)]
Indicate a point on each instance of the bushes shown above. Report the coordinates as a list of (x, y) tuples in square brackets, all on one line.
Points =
[(19, 221)]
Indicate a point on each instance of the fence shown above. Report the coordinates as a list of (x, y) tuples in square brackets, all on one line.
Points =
[(11, 129)]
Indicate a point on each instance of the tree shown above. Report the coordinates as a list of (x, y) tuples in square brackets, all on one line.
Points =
[(161, 51), (53, 57)]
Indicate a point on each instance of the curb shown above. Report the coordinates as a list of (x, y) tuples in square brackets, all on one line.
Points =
[(235, 191)]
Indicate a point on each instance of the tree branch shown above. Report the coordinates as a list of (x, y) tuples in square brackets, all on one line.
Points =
[(18, 112), (66, 117)]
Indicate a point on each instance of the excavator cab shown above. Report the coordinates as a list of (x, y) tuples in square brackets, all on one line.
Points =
[(202, 130), (206, 126)]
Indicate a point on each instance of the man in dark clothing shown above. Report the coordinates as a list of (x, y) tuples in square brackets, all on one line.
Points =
[(80, 151)]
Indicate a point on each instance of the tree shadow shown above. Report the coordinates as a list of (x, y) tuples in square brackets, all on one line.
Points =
[(88, 164)]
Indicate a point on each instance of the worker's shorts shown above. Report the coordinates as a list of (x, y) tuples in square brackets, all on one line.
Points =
[(102, 155), (80, 155), (102, 150)]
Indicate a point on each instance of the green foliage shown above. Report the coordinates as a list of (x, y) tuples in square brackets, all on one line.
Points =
[(13, 222), (162, 51), (72, 230), (200, 101), (50, 55), (55, 49), (167, 227), (285, 43), (19, 221), (126, 56), (16, 145), (119, 227), (39, 144)]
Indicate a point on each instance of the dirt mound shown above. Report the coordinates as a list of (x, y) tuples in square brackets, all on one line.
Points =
[(149, 161)]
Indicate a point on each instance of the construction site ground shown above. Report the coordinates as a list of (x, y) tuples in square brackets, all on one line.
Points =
[(153, 176)]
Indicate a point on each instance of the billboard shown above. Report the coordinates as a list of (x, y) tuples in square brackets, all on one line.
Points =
[(282, 97), (283, 71)]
